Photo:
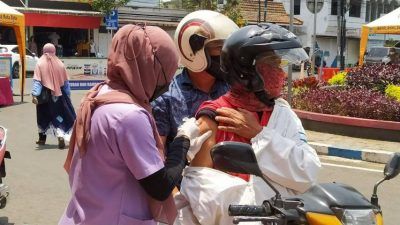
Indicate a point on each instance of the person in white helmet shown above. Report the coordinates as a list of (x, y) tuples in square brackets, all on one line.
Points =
[(199, 38)]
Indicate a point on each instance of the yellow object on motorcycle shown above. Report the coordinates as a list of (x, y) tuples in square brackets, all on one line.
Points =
[(323, 219), (379, 219)]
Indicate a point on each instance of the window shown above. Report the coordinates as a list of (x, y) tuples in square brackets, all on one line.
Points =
[(15, 50), (380, 8), (296, 7), (373, 10), (27, 51), (393, 5), (386, 7), (355, 8), (334, 6), (368, 12), (3, 49)]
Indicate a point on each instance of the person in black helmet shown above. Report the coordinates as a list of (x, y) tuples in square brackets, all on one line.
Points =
[(252, 58)]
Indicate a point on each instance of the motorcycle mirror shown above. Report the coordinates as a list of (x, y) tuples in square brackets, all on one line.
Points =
[(235, 157), (392, 168)]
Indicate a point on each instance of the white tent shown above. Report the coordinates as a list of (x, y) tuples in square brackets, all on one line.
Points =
[(387, 24)]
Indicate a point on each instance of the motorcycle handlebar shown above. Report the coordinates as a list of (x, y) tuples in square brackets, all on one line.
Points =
[(247, 210)]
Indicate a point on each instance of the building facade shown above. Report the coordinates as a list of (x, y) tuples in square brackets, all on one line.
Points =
[(359, 13)]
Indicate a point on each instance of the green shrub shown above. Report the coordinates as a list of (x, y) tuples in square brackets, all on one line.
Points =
[(393, 91), (338, 79)]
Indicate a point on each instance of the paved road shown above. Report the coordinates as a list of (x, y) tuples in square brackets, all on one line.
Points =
[(363, 177), (39, 186)]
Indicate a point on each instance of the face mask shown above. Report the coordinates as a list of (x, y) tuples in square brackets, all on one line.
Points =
[(214, 69), (274, 78), (159, 91)]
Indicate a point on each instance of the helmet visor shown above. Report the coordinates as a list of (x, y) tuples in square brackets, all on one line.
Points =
[(283, 57)]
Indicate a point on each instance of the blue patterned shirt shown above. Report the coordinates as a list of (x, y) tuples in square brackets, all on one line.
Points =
[(180, 101)]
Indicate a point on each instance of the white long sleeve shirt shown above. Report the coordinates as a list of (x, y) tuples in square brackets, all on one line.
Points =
[(284, 157)]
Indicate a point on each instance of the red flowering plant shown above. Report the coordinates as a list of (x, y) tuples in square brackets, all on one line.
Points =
[(362, 103), (363, 96), (306, 84), (375, 77)]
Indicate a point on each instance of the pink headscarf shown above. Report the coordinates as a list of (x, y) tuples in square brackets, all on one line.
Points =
[(140, 59), (50, 71)]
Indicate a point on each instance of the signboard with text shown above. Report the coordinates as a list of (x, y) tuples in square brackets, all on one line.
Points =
[(5, 66), (84, 73), (112, 20), (8, 19)]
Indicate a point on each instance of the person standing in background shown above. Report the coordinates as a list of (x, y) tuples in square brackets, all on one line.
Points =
[(32, 46), (54, 37), (56, 113), (93, 49)]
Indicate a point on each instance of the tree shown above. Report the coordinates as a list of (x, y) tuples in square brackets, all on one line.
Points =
[(193, 5), (105, 6), (230, 9)]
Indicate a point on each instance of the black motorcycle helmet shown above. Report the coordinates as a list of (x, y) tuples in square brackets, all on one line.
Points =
[(246, 46)]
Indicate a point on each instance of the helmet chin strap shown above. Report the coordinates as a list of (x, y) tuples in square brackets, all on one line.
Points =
[(264, 97)]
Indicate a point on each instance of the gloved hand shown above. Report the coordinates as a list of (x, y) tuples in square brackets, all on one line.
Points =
[(195, 145), (191, 130)]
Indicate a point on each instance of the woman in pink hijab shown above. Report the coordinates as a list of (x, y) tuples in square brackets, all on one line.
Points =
[(116, 166), (55, 112)]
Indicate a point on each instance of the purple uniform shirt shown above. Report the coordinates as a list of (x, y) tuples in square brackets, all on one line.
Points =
[(104, 182)]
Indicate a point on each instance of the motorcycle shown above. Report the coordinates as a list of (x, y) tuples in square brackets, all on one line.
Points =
[(322, 204), (4, 189)]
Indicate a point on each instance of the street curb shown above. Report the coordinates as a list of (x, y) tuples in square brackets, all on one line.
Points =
[(376, 156)]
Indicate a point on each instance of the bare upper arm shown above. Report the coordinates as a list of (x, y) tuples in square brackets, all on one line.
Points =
[(164, 141), (203, 157)]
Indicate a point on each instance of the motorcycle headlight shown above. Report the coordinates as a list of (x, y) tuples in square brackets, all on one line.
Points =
[(356, 216)]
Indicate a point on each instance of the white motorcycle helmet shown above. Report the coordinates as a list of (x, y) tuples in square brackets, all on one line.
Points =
[(195, 31)]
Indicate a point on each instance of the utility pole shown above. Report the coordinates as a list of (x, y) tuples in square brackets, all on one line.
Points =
[(343, 33), (265, 10), (339, 32), (259, 11), (290, 74), (314, 40)]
